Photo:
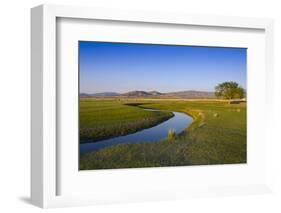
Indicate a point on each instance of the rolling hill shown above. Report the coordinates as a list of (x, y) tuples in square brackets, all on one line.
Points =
[(140, 93)]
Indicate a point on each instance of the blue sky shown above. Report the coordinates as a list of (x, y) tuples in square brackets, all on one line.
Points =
[(123, 67)]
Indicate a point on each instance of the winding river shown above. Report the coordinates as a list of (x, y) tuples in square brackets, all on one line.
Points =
[(179, 122)]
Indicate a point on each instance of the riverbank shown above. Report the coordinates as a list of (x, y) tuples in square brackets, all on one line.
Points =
[(178, 123), (105, 119)]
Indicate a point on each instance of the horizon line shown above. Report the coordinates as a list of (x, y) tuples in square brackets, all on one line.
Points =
[(148, 91)]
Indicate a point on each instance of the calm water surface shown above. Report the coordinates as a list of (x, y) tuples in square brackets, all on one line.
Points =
[(179, 122)]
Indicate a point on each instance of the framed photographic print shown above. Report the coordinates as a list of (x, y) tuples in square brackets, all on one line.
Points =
[(130, 106), (155, 105)]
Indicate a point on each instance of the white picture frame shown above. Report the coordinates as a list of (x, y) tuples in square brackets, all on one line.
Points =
[(44, 148)]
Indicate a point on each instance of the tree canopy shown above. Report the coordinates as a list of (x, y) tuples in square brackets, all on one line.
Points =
[(229, 90)]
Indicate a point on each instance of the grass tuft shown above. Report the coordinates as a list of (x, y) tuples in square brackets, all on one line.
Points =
[(171, 135)]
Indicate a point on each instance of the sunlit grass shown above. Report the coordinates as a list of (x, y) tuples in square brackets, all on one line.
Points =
[(171, 135), (105, 119), (216, 136)]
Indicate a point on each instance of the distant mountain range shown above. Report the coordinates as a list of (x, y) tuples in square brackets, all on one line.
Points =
[(192, 94), (138, 93), (101, 94), (142, 93)]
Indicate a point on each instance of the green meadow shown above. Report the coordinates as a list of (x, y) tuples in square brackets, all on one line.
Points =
[(217, 134), (103, 119)]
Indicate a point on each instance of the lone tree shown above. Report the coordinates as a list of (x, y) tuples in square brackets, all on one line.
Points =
[(229, 90)]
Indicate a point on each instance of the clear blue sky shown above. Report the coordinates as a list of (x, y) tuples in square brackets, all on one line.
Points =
[(123, 67)]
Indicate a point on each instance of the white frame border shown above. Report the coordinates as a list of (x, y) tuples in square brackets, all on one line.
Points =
[(43, 92)]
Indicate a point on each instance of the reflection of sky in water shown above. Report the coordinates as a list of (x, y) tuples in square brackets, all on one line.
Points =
[(179, 122)]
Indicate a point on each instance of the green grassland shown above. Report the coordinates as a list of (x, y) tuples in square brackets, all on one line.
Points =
[(103, 119), (216, 136)]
